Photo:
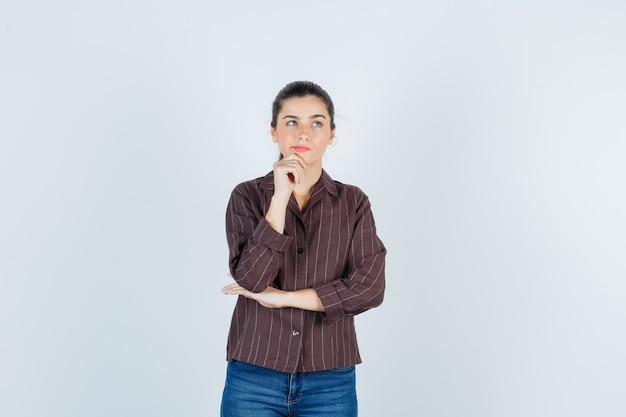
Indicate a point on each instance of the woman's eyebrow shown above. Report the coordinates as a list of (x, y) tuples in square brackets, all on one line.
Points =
[(290, 116)]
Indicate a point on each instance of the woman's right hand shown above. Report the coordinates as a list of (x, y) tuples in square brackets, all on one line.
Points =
[(288, 172)]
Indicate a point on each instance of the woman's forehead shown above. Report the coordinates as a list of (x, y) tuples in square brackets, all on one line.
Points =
[(306, 104)]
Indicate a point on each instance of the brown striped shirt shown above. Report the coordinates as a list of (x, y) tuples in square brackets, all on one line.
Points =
[(331, 246)]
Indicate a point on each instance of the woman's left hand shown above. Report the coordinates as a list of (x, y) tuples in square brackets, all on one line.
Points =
[(269, 297)]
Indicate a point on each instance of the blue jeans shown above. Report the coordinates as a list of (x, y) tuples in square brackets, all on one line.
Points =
[(253, 391)]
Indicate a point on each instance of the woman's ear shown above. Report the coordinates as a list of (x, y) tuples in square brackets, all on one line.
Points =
[(273, 132), (332, 137)]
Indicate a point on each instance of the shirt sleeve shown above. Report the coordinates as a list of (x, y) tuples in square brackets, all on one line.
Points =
[(364, 286), (256, 250)]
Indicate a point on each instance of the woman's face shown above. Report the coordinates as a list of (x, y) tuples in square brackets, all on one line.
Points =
[(303, 128)]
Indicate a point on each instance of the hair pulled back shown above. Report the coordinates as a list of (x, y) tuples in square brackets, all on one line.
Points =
[(302, 89)]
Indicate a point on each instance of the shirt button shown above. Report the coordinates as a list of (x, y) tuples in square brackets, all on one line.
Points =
[(300, 250)]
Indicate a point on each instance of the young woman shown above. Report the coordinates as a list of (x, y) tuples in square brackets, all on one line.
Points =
[(305, 259)]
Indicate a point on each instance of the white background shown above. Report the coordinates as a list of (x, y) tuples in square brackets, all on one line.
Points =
[(489, 135)]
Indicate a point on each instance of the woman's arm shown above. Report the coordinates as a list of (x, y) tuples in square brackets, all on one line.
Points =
[(363, 287), (306, 299), (256, 238), (256, 249)]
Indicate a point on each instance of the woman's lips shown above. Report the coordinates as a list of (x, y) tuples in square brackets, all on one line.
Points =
[(300, 148)]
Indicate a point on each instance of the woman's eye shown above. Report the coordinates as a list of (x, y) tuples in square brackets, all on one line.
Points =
[(291, 123), (317, 124)]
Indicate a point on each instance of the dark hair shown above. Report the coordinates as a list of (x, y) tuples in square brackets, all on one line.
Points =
[(302, 89)]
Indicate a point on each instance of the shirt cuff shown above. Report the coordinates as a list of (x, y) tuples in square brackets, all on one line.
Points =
[(333, 309), (269, 237)]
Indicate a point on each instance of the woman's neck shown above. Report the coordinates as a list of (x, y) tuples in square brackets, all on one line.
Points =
[(302, 192), (312, 174)]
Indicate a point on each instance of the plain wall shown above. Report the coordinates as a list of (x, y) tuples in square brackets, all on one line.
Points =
[(489, 136)]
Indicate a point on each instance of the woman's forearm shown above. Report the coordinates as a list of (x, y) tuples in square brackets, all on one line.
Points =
[(276, 213), (306, 299)]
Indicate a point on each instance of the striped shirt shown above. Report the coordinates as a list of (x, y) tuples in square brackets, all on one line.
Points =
[(330, 246)]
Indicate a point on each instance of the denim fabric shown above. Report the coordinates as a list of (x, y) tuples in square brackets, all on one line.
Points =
[(253, 391)]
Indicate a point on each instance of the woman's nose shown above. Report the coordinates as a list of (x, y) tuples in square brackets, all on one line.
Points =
[(303, 134)]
